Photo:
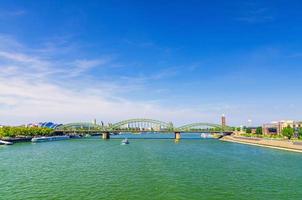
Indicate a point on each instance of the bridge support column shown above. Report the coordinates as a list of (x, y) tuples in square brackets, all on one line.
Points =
[(177, 135), (105, 135)]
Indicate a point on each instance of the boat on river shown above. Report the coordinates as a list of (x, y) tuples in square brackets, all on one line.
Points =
[(2, 142), (75, 136), (48, 139), (205, 135), (125, 141)]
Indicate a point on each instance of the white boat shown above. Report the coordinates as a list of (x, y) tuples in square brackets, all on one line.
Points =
[(5, 143), (205, 135), (47, 139), (125, 141)]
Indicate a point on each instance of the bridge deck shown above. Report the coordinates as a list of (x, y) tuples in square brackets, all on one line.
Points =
[(138, 131)]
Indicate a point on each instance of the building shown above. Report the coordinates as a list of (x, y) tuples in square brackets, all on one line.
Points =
[(253, 129), (223, 121), (277, 127), (43, 125), (298, 124)]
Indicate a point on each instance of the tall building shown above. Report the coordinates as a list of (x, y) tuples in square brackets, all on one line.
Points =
[(223, 121)]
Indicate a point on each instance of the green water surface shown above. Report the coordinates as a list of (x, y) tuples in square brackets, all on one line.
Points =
[(148, 169)]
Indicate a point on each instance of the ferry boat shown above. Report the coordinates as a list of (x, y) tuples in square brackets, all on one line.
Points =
[(125, 141), (2, 142), (47, 139)]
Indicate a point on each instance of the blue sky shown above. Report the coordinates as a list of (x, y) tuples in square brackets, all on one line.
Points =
[(181, 61)]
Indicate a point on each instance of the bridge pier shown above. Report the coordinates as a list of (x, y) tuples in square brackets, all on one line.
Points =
[(105, 135), (177, 135)]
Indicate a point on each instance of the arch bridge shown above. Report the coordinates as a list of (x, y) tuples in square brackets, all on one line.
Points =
[(201, 126), (141, 125)]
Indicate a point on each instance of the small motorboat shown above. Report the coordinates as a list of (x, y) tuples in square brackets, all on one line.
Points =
[(5, 142), (125, 141), (206, 136)]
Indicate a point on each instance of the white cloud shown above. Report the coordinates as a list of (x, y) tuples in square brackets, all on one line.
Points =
[(28, 101), (12, 13), (37, 87), (80, 66), (29, 91), (256, 13)]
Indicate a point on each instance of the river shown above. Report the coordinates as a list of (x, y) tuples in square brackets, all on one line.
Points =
[(148, 169)]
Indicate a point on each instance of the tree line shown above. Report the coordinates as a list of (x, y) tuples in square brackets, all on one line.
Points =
[(9, 131), (290, 132)]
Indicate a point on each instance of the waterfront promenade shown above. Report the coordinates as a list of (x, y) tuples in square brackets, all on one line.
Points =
[(282, 144)]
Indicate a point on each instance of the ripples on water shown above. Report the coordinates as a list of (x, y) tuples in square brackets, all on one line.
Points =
[(147, 169)]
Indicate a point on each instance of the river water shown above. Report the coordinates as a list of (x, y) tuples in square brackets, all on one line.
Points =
[(148, 169)]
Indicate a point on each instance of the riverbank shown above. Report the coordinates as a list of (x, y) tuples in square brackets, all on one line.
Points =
[(287, 145)]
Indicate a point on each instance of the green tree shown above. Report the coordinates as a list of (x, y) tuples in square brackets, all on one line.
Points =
[(248, 130), (288, 132), (300, 133), (24, 131), (259, 131), (1, 132)]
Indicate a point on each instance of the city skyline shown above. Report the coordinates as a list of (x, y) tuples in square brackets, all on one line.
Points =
[(181, 62)]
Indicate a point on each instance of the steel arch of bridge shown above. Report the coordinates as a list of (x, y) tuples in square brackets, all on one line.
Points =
[(80, 125), (155, 125), (129, 121), (195, 125)]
